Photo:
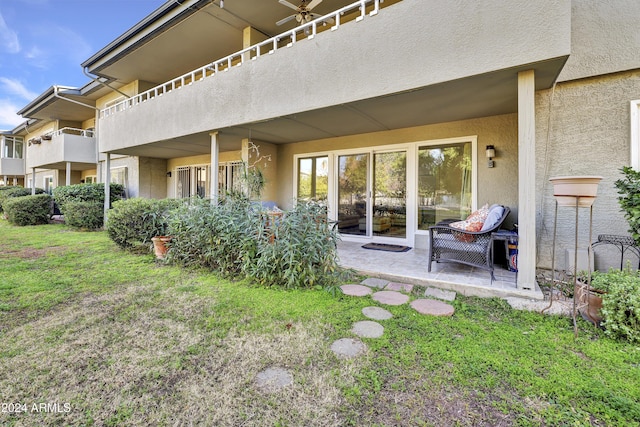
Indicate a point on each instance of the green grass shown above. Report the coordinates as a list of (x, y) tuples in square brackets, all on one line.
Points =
[(126, 340)]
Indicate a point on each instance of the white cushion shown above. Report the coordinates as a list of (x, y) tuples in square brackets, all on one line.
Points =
[(495, 213)]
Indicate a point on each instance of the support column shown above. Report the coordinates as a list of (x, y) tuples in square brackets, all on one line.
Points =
[(15, 181), (4, 180), (107, 185), (33, 181), (68, 177), (215, 153), (526, 181)]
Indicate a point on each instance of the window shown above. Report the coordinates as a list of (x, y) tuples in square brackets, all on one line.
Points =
[(444, 182), (230, 177), (193, 181), (90, 179), (119, 176), (12, 147), (635, 135), (48, 184), (313, 178)]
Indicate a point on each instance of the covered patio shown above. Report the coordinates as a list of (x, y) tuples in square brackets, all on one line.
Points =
[(411, 267)]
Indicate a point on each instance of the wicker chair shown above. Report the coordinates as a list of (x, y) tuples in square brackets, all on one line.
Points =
[(448, 244)]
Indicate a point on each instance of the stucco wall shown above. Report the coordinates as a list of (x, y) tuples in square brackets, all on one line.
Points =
[(495, 185), (589, 135), (604, 38), (152, 177), (375, 57)]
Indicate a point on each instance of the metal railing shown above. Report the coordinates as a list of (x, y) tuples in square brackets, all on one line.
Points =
[(87, 133), (305, 31)]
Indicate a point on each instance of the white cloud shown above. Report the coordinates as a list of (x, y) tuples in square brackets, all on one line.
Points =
[(15, 87), (8, 38), (8, 117)]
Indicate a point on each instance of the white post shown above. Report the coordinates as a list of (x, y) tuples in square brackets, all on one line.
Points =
[(33, 181), (4, 180), (68, 177), (15, 181), (107, 185), (526, 183), (215, 153)]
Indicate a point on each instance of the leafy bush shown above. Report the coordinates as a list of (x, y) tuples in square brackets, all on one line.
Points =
[(295, 250), (220, 237), (302, 253), (85, 193), (620, 303), (629, 199), (28, 210), (80, 214), (11, 192), (132, 223)]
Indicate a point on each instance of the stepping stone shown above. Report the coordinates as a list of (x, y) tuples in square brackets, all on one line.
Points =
[(368, 329), (346, 348), (402, 287), (273, 379), (440, 294), (432, 307), (390, 297), (355, 290), (374, 282), (376, 313)]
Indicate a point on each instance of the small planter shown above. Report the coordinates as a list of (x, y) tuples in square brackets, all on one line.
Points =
[(590, 301), (160, 246), (567, 189)]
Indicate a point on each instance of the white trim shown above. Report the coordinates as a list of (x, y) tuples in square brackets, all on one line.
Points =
[(635, 134), (412, 180)]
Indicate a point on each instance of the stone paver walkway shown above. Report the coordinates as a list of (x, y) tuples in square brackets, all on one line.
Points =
[(390, 297), (394, 294)]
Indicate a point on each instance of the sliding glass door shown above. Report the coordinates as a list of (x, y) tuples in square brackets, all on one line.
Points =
[(372, 194)]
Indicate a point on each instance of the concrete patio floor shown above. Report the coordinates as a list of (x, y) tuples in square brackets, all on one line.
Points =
[(411, 267)]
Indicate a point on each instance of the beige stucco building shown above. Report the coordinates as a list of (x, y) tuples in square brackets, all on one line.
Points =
[(383, 110)]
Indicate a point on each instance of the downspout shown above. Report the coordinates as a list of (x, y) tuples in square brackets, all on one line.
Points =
[(95, 79), (95, 135)]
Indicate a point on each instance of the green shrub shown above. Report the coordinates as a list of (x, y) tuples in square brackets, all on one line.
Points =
[(302, 254), (220, 237), (84, 214), (629, 199), (620, 303), (85, 193), (11, 192), (28, 210), (297, 250), (132, 223)]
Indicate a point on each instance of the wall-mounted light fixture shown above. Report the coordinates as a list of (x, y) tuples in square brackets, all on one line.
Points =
[(491, 153), (169, 174)]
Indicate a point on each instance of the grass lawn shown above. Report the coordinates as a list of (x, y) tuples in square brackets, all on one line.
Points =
[(110, 338)]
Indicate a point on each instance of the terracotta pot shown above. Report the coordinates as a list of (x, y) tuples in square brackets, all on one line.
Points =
[(160, 247), (590, 301), (567, 189)]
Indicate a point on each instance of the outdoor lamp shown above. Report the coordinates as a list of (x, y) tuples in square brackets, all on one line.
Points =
[(491, 153)]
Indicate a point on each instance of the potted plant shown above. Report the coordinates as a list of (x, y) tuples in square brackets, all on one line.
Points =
[(589, 296)]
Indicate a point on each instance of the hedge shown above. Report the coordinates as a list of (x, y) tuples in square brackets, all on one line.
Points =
[(10, 192), (85, 193), (28, 210), (132, 223), (87, 215)]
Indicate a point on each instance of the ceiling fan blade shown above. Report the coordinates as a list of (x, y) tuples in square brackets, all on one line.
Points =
[(285, 20), (289, 5), (313, 4)]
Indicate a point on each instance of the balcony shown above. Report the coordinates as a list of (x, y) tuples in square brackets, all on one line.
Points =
[(415, 62), (11, 167), (53, 150)]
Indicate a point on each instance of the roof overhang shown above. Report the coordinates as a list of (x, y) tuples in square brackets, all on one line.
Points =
[(60, 103)]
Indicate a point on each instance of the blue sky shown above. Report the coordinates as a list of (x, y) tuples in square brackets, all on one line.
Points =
[(43, 42)]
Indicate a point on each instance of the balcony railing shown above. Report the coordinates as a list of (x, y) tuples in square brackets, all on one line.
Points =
[(87, 133), (287, 39)]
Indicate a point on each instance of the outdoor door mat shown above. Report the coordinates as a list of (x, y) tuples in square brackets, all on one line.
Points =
[(386, 247)]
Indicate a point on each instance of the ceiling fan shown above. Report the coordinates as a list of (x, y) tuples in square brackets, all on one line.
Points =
[(303, 12)]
